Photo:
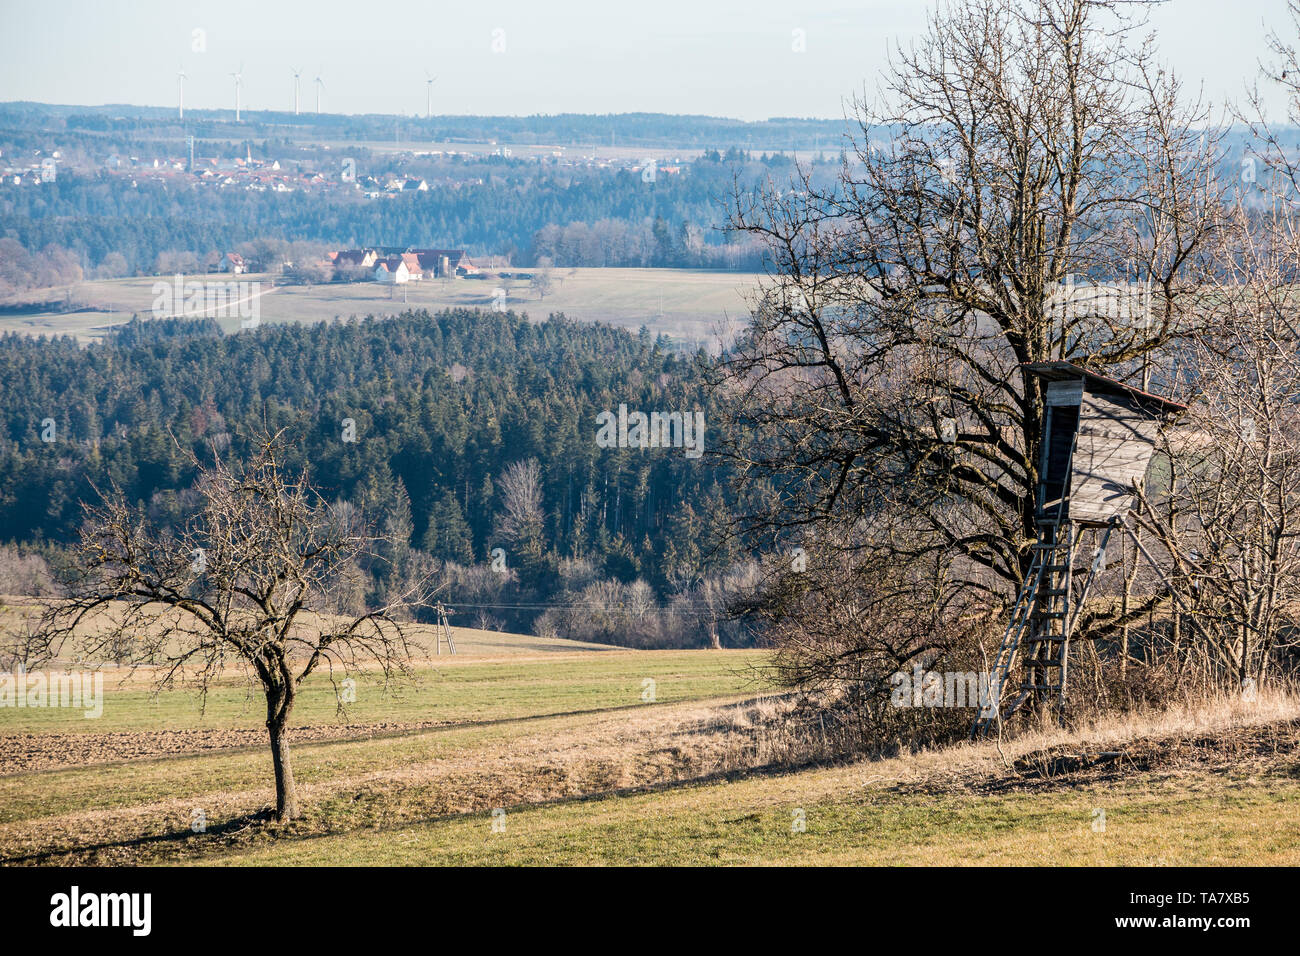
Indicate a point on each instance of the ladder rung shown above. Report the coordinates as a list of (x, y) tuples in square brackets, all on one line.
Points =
[(1054, 592), (1045, 662), (1058, 567)]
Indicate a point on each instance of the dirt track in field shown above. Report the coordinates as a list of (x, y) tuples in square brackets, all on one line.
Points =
[(25, 753)]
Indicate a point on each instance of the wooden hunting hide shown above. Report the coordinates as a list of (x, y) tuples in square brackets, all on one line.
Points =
[(1099, 436), (1112, 451)]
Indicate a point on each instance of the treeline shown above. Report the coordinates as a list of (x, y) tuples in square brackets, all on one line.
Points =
[(21, 270), (514, 210), (616, 242), (135, 124), (469, 436)]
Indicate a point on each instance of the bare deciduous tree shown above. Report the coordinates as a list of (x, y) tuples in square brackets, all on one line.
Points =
[(1229, 530), (542, 277), (1025, 149), (1283, 71), (246, 583), (1226, 536), (522, 517)]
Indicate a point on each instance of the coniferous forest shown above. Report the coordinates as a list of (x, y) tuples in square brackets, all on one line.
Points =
[(415, 421)]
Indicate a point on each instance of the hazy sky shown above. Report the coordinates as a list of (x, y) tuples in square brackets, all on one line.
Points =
[(718, 57)]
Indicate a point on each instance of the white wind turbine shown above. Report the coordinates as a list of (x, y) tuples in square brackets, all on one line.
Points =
[(239, 82), (296, 74), (320, 85), (180, 88), (428, 105)]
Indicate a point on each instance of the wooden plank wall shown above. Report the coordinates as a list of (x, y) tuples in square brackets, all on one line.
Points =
[(1115, 442)]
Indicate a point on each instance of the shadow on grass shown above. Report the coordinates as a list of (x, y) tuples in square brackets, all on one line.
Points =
[(250, 823)]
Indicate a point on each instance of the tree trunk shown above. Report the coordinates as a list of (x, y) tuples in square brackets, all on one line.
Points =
[(278, 706)]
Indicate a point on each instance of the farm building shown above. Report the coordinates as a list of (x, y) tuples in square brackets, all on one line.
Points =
[(413, 267), (438, 263), (418, 263), (391, 271), (362, 258)]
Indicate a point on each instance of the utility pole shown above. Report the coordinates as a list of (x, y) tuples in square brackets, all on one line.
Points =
[(443, 629)]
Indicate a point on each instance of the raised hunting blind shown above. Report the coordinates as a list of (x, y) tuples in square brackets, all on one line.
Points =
[(1098, 439)]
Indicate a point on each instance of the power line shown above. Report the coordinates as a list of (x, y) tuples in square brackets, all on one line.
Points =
[(697, 608)]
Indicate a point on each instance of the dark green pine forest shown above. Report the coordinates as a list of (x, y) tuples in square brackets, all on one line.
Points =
[(440, 406)]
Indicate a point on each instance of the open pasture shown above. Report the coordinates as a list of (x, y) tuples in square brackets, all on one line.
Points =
[(692, 306)]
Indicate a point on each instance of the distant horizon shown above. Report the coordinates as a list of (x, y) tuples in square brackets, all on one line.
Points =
[(746, 60), (220, 114), (251, 111)]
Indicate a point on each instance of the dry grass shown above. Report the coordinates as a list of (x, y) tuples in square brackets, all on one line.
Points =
[(1212, 785), (360, 784), (708, 775), (684, 303), (971, 765), (18, 613), (720, 752)]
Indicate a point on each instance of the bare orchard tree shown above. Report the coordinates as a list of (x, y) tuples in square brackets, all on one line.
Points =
[(246, 583), (542, 280), (1026, 151)]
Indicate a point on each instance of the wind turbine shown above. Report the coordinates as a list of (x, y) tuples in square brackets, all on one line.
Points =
[(239, 82), (296, 74), (180, 86), (320, 85), (428, 106)]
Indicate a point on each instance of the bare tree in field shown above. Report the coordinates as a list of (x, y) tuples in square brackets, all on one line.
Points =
[(246, 583), (542, 277), (1023, 152)]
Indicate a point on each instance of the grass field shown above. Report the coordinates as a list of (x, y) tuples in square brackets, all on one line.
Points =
[(517, 752), (749, 822), (507, 721), (453, 690), (693, 306)]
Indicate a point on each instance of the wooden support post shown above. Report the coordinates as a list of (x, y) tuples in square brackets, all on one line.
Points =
[(442, 631)]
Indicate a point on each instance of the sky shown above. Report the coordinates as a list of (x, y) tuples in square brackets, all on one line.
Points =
[(749, 59)]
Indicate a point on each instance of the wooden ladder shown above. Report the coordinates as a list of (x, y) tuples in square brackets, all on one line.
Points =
[(1046, 648), (1039, 628), (1042, 624)]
